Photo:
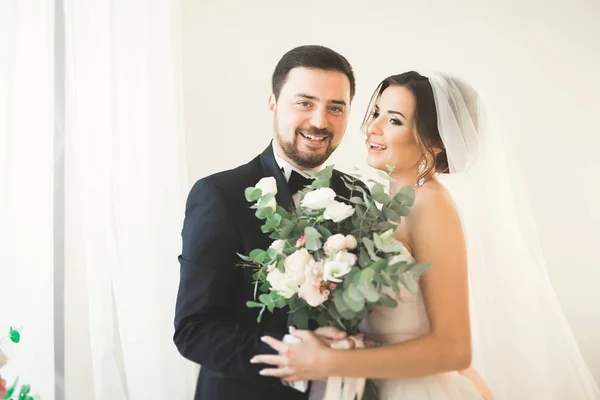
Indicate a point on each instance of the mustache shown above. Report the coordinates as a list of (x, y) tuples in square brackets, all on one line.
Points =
[(316, 132)]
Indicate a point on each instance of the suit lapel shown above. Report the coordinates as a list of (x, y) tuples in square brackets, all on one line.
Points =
[(271, 168)]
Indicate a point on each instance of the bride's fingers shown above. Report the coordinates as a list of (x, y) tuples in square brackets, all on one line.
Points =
[(270, 359), (276, 372), (277, 345)]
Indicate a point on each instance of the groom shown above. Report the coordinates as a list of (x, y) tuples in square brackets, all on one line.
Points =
[(312, 88)]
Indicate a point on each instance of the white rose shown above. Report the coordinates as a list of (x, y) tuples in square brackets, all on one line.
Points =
[(282, 284), (318, 199), (337, 211), (278, 245), (295, 265), (267, 185), (339, 266)]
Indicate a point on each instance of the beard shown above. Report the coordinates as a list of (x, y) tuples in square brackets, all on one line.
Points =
[(308, 160)]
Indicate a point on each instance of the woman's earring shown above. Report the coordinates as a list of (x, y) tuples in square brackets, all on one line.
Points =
[(422, 166)]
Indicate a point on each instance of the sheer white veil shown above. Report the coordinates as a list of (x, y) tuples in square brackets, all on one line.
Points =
[(522, 344)]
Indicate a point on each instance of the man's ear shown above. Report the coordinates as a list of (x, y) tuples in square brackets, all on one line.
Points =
[(272, 102)]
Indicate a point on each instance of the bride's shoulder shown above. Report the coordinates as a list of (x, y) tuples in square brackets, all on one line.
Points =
[(433, 201)]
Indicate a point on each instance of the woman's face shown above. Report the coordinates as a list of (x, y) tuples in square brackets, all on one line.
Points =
[(391, 138)]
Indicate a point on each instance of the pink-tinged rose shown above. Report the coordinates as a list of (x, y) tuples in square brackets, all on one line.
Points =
[(312, 294), (311, 290), (350, 242), (295, 265), (339, 242), (300, 242)]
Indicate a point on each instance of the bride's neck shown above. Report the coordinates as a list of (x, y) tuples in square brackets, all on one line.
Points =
[(403, 179)]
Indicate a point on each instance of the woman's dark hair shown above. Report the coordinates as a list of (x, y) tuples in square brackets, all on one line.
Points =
[(425, 116), (318, 57)]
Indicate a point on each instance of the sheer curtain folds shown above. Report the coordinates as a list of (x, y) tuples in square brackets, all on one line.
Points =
[(124, 193), (522, 344)]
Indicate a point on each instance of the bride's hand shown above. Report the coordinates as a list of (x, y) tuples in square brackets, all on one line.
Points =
[(307, 360)]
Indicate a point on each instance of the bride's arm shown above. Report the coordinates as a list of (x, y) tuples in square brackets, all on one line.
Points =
[(435, 236)]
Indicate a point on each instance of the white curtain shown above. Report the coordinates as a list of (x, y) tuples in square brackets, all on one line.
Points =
[(26, 191), (123, 190), (125, 193)]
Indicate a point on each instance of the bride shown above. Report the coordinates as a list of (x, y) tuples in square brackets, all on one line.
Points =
[(492, 330)]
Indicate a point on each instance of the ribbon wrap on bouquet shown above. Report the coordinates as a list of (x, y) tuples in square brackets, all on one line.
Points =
[(341, 387)]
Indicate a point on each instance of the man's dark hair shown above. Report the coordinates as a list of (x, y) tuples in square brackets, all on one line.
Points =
[(310, 56)]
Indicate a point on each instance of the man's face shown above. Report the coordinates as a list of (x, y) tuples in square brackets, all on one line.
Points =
[(311, 115)]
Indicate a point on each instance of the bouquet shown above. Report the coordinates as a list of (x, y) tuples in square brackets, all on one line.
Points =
[(331, 257)]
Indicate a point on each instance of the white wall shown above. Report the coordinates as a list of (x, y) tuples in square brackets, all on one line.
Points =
[(534, 62)]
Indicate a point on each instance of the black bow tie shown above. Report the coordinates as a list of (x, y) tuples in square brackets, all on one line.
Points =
[(297, 182)]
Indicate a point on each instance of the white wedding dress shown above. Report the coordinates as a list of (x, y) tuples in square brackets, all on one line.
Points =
[(408, 321)]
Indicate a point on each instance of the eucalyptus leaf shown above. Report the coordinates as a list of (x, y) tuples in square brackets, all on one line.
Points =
[(410, 283), (323, 231), (264, 298), (363, 258), (300, 318), (405, 196), (367, 275), (388, 301), (286, 227), (419, 269), (339, 302), (378, 194), (379, 265), (253, 304), (392, 247), (252, 194), (385, 225), (356, 200), (354, 293), (319, 183), (369, 291), (264, 200), (258, 255), (391, 214), (354, 305), (271, 305), (264, 213), (243, 257), (370, 246), (352, 276)]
